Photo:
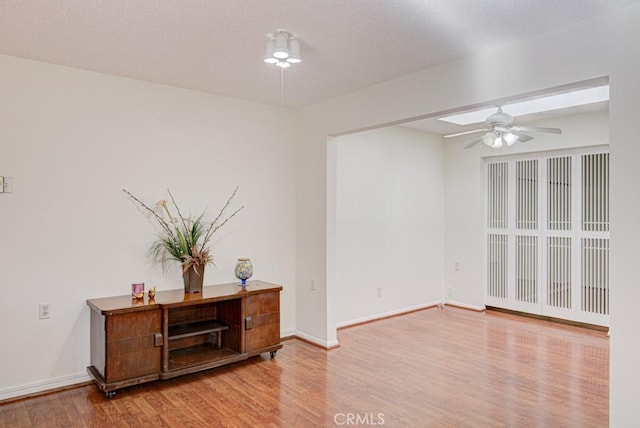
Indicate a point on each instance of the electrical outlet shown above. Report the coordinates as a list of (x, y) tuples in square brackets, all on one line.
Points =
[(313, 283), (45, 311), (456, 266), (379, 291)]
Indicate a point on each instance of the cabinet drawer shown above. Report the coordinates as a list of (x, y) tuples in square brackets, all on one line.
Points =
[(263, 303), (133, 324)]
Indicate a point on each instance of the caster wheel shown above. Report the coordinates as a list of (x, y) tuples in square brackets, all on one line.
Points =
[(110, 394), (273, 354)]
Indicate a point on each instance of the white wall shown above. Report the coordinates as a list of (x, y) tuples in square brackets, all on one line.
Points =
[(606, 46), (625, 233), (464, 237), (390, 222), (72, 140)]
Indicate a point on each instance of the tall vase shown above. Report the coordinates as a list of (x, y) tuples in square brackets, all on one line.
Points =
[(193, 279), (244, 270)]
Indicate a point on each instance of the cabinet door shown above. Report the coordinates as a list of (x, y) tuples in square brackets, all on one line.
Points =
[(262, 321), (132, 345)]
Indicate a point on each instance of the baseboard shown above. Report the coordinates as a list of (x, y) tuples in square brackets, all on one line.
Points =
[(465, 306), (46, 386), (600, 328), (316, 341), (287, 334), (388, 314)]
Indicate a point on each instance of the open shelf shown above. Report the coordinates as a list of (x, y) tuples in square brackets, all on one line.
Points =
[(196, 355), (196, 328)]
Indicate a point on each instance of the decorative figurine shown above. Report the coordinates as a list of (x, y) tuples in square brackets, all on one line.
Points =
[(152, 292)]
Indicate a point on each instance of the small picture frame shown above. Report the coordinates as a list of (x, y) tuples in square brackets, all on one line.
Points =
[(137, 290)]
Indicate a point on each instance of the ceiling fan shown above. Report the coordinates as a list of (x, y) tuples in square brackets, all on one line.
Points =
[(501, 131)]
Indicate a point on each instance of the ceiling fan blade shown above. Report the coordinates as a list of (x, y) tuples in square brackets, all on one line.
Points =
[(473, 143), (523, 138), (537, 129), (464, 133)]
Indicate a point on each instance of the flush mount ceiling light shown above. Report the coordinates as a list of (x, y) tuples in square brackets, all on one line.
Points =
[(283, 49)]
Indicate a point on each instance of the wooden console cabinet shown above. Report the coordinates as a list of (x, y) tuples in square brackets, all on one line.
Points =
[(135, 341)]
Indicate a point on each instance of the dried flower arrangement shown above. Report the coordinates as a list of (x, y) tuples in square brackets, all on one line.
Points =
[(184, 239)]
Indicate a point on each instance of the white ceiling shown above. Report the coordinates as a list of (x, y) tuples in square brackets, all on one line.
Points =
[(217, 46)]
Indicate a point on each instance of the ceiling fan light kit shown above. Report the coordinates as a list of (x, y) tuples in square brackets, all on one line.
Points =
[(282, 49), (497, 139)]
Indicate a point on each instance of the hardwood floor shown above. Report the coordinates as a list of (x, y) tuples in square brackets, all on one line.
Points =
[(432, 368)]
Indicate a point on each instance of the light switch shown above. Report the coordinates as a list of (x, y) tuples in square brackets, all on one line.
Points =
[(7, 186)]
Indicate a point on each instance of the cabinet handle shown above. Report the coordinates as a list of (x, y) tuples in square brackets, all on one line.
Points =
[(157, 339), (248, 323)]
